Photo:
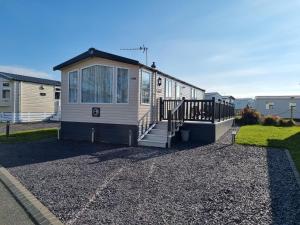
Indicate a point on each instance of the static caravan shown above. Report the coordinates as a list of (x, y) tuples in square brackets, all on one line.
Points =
[(109, 98), (28, 99), (283, 106)]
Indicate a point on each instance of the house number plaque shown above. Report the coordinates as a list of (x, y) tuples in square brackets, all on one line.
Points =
[(96, 112)]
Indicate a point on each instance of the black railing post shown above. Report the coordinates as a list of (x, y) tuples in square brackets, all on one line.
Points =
[(219, 110), (224, 110), (213, 110), (183, 108), (169, 120), (161, 108)]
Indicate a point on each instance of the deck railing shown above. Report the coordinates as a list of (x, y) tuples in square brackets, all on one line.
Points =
[(198, 110)]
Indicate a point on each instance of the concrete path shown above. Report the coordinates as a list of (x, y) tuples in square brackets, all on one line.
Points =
[(11, 213)]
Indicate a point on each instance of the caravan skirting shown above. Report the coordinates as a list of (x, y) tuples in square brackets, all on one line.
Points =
[(103, 132), (25, 117)]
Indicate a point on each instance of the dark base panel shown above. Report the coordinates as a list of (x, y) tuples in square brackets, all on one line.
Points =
[(108, 133), (206, 132)]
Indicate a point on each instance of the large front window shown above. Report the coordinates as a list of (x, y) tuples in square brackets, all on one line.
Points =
[(97, 84), (122, 85), (145, 88), (73, 86)]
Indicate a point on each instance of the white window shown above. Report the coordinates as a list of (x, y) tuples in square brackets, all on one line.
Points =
[(122, 85), (145, 87), (270, 105), (5, 94), (73, 86), (178, 91), (168, 88), (193, 93), (97, 84), (292, 105)]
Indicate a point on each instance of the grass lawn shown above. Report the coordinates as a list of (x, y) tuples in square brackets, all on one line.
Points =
[(272, 136), (29, 135)]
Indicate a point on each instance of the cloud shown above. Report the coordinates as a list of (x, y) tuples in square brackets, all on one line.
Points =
[(24, 71)]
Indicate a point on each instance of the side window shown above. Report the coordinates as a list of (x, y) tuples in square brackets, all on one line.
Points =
[(178, 91), (270, 105), (145, 87), (73, 86), (168, 88), (193, 93), (6, 94), (122, 85)]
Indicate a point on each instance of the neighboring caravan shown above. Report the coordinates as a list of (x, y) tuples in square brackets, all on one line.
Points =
[(241, 103), (114, 99), (218, 97), (283, 106), (28, 99)]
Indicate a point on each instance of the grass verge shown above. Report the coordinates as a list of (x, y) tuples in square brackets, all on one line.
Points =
[(272, 136), (29, 135)]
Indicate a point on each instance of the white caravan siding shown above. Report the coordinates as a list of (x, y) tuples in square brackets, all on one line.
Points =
[(281, 106), (32, 101), (112, 113)]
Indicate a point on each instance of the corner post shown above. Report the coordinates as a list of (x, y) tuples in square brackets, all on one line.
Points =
[(161, 108), (213, 110), (183, 108), (220, 103), (169, 128)]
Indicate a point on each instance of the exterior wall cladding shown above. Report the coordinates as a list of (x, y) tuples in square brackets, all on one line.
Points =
[(280, 108), (117, 121)]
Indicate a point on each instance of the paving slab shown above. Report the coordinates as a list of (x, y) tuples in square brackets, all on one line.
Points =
[(11, 212)]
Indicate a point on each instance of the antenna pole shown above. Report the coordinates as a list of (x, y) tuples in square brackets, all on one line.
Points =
[(141, 48)]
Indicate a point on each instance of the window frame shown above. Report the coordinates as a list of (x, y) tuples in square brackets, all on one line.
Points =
[(150, 87), (9, 96), (178, 85), (193, 93), (116, 86), (167, 89), (113, 85), (268, 104), (78, 86)]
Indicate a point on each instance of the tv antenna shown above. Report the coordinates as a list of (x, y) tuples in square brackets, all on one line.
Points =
[(141, 48)]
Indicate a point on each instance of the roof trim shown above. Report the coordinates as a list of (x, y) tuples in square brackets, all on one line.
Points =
[(170, 77), (29, 79), (92, 52), (279, 97)]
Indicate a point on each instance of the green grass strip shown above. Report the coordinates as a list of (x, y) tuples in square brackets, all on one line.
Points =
[(272, 136), (29, 135)]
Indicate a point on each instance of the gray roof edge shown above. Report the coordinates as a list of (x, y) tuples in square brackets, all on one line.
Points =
[(12, 76), (171, 77)]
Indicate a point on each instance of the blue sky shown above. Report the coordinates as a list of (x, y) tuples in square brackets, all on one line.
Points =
[(241, 48)]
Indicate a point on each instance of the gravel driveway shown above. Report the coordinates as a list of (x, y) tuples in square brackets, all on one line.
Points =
[(105, 184)]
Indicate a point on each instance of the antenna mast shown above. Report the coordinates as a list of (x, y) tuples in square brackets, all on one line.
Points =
[(141, 48)]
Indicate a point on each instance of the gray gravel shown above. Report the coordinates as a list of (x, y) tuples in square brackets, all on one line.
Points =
[(105, 184)]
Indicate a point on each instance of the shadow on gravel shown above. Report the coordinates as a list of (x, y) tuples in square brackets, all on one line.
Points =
[(12, 155), (284, 192)]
